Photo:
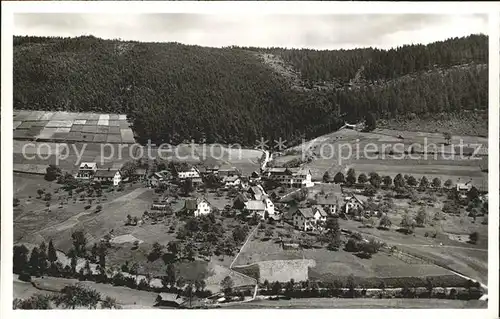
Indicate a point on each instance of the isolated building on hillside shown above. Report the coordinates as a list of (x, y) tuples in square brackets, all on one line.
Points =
[(86, 171), (197, 207), (290, 177), (108, 176)]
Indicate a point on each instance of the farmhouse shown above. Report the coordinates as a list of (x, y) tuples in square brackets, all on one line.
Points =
[(86, 171), (319, 213), (197, 207), (231, 181), (303, 219), (192, 173), (255, 207), (108, 176), (260, 207), (352, 201), (159, 178), (330, 203), (228, 171), (140, 174), (169, 300), (255, 177), (291, 177), (308, 218)]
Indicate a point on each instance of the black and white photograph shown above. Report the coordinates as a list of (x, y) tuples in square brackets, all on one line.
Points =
[(250, 161)]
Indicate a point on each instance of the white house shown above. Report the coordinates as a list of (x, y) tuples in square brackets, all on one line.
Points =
[(319, 214), (197, 207), (86, 170), (108, 176), (291, 177), (191, 173)]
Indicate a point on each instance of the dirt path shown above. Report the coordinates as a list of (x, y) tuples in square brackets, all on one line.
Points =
[(243, 246)]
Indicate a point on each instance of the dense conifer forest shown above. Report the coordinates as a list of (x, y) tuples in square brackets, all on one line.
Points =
[(174, 92)]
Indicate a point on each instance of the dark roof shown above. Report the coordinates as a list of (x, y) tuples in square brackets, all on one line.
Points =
[(192, 204), (306, 212), (169, 297), (105, 173)]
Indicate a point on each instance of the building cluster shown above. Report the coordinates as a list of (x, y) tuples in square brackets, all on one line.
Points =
[(88, 171)]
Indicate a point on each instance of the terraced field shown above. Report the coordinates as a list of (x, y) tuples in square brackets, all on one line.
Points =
[(72, 127)]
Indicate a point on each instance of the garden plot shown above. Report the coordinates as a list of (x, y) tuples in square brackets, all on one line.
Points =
[(25, 125), (16, 124), (64, 116), (114, 123), (21, 134), (91, 122), (114, 138), (60, 123), (102, 129), (89, 129), (47, 133), (114, 130), (127, 135), (79, 122), (21, 115), (284, 270)]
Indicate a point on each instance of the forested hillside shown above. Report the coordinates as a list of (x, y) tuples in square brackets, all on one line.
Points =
[(174, 92)]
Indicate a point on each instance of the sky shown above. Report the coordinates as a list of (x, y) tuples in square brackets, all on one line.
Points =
[(345, 31)]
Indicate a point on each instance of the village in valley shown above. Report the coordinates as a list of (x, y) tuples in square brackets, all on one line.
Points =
[(158, 166), (274, 226)]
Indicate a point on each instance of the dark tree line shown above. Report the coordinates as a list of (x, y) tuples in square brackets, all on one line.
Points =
[(173, 92)]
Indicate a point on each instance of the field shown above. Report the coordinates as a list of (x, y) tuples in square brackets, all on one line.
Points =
[(72, 127), (331, 303), (344, 149), (320, 263)]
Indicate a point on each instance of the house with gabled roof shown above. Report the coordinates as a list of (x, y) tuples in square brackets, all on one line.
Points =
[(231, 181), (170, 300), (303, 219), (226, 170), (197, 207), (108, 176), (86, 171), (290, 177)]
